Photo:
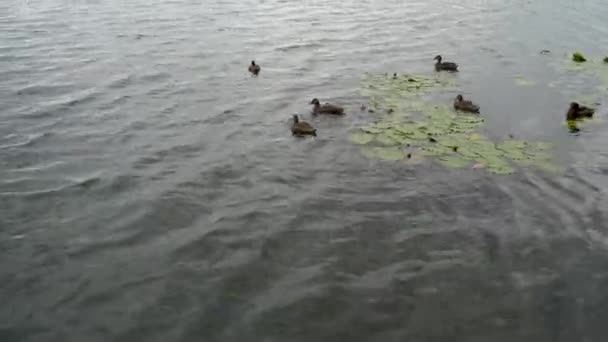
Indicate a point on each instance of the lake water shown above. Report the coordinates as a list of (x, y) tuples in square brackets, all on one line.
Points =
[(150, 189)]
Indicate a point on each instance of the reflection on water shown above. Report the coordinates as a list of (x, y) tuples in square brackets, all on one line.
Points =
[(151, 190)]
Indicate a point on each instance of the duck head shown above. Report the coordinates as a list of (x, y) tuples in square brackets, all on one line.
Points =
[(459, 98), (574, 106), (437, 58), (252, 62), (295, 118), (315, 102)]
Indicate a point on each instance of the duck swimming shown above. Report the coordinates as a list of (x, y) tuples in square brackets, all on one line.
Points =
[(447, 66), (577, 112), (326, 108), (254, 68), (302, 128), (464, 105)]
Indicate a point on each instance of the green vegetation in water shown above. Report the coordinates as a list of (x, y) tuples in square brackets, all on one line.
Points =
[(438, 133), (523, 82), (578, 57), (590, 78), (395, 94)]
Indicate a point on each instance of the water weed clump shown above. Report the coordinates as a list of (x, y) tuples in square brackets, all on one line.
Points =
[(578, 57), (416, 130)]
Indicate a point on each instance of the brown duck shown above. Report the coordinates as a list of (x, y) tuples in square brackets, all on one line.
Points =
[(465, 105), (326, 108), (577, 111), (254, 68), (302, 128), (447, 66)]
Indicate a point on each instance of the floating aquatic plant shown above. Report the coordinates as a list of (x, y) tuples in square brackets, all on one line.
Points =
[(594, 69), (454, 143), (396, 92), (578, 57), (523, 82), (439, 134)]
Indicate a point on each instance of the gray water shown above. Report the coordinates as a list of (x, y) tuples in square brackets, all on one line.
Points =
[(150, 189)]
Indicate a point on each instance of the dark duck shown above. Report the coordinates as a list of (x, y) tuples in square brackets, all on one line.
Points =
[(254, 68), (577, 112), (446, 66), (302, 128), (464, 105), (327, 108)]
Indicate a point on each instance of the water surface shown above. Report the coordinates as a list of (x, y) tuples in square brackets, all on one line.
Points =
[(150, 189)]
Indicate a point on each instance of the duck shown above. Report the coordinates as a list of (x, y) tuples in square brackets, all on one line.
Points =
[(464, 105), (254, 68), (302, 128), (577, 111), (448, 66), (326, 108)]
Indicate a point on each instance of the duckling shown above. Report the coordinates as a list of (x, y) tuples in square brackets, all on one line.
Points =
[(448, 66), (302, 128), (465, 105), (577, 111), (326, 108), (254, 68)]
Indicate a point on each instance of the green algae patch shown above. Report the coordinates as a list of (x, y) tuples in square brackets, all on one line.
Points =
[(417, 130), (499, 167), (521, 81), (361, 137), (578, 57), (454, 161), (451, 145), (401, 93), (593, 69)]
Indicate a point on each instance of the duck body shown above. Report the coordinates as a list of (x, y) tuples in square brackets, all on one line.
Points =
[(446, 66), (254, 68), (327, 108), (302, 128), (586, 112), (577, 112), (465, 106)]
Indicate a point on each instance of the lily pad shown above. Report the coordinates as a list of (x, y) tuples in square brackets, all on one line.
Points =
[(388, 139), (390, 154), (540, 146), (468, 153), (361, 138), (453, 161), (436, 132), (500, 169), (372, 130), (523, 82), (435, 150), (450, 141)]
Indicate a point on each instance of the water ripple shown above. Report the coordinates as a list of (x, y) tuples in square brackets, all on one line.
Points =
[(151, 185)]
